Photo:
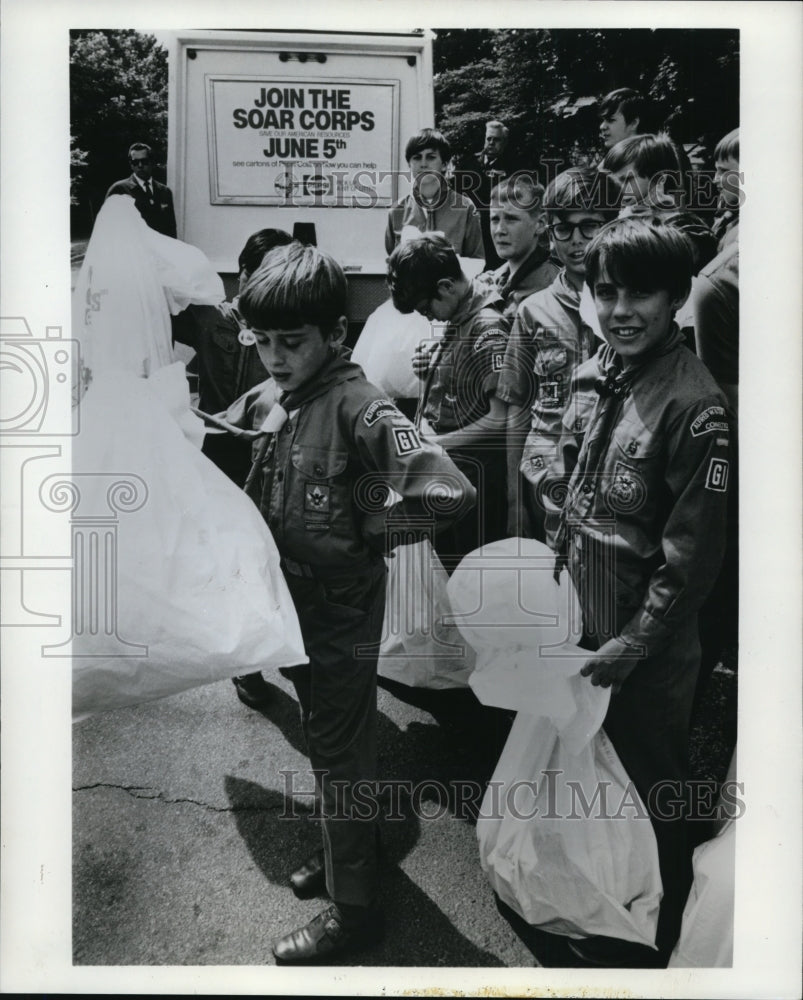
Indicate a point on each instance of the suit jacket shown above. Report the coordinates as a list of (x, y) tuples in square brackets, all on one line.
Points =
[(158, 213)]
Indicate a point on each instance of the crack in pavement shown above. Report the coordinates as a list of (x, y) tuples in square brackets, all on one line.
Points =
[(132, 790)]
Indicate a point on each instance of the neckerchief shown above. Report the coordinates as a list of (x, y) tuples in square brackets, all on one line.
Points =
[(336, 369)]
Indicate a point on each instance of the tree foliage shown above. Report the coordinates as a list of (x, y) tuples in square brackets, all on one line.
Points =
[(545, 84), (118, 95)]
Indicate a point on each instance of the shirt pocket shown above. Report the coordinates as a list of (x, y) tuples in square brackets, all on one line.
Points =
[(553, 365), (633, 476), (319, 473)]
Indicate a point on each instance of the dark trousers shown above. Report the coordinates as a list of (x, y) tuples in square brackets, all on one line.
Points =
[(648, 723), (337, 694), (485, 469)]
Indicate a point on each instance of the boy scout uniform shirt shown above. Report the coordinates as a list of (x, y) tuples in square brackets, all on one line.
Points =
[(457, 219), (227, 367), (323, 485), (465, 365), (647, 491), (549, 340), (535, 273)]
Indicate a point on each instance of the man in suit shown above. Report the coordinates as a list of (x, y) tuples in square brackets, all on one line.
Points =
[(153, 200), (492, 164)]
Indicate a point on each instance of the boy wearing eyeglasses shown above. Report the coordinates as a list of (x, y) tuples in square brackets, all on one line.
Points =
[(548, 341)]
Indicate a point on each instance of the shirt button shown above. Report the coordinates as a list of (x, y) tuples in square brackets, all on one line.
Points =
[(288, 427), (318, 470)]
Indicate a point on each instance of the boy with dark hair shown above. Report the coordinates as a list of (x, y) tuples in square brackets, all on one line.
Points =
[(518, 226), (432, 205), (459, 374), (650, 171), (622, 113), (228, 365), (227, 358), (334, 457), (645, 474), (548, 341)]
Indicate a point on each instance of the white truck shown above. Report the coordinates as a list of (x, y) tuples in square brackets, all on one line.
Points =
[(295, 130)]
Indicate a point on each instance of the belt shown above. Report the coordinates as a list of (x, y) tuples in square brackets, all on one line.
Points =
[(310, 572)]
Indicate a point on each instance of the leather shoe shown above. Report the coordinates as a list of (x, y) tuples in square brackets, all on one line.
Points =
[(612, 953), (330, 934), (253, 690), (310, 879)]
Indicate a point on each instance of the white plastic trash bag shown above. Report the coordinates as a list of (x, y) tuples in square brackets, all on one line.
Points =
[(565, 840), (524, 628), (385, 349), (198, 594), (418, 647), (185, 273)]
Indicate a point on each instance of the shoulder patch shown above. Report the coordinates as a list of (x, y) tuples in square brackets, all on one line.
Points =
[(495, 335), (407, 440), (717, 476), (378, 409), (709, 421)]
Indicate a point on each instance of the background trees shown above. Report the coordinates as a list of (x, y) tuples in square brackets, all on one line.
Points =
[(545, 84)]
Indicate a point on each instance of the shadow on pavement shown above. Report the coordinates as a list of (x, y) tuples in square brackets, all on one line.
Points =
[(280, 833)]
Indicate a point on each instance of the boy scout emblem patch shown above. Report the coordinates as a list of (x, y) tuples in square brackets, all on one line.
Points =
[(717, 477), (550, 392), (378, 409), (316, 497), (406, 440), (626, 492)]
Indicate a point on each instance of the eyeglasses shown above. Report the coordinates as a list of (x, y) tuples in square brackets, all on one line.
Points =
[(563, 231)]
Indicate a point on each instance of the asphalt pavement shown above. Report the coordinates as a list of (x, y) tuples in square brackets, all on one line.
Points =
[(185, 830), (189, 813)]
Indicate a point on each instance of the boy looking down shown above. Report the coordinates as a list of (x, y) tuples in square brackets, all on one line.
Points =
[(331, 453), (458, 376)]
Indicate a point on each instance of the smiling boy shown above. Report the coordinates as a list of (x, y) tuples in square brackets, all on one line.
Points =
[(646, 471), (332, 451)]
